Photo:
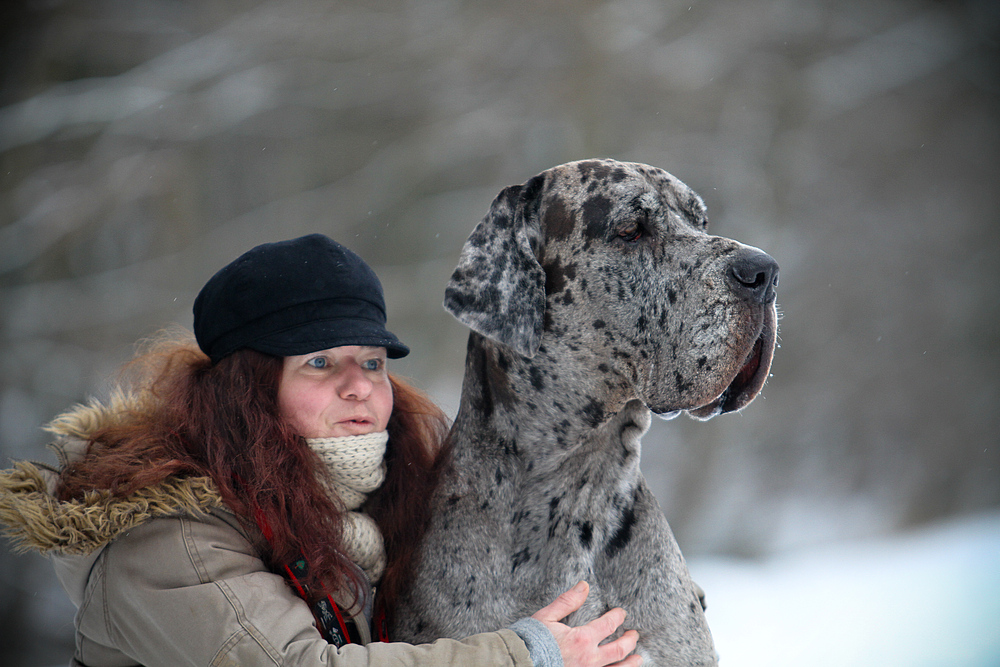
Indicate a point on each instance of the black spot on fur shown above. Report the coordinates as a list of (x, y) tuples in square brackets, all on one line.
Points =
[(599, 324), (555, 277), (557, 219), (483, 402), (623, 535), (520, 558), (593, 413), (596, 211), (537, 380), (672, 296), (553, 518), (586, 534), (593, 169)]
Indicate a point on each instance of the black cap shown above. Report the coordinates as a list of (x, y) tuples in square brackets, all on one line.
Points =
[(293, 297)]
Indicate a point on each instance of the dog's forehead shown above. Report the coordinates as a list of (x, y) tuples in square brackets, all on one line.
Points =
[(604, 187)]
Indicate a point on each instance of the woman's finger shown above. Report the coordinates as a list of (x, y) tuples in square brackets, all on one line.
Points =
[(605, 625), (565, 604), (615, 651)]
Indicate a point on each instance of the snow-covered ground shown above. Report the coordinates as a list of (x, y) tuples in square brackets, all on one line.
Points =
[(928, 598)]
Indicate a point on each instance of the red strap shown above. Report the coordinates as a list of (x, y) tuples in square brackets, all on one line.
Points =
[(340, 618), (380, 626), (322, 609)]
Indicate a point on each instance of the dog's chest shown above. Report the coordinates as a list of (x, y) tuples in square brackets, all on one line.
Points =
[(539, 519)]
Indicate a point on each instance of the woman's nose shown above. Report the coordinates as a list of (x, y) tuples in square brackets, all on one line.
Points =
[(354, 384)]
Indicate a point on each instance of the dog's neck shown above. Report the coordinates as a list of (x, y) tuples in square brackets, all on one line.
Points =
[(548, 404)]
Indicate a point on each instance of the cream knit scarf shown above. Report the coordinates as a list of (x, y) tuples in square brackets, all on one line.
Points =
[(357, 468)]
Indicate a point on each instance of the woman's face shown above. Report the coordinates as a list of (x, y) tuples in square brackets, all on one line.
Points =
[(335, 392)]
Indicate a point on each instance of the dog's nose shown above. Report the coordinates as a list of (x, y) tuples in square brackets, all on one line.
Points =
[(753, 275)]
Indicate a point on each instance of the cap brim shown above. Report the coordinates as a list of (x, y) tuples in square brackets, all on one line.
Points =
[(325, 334)]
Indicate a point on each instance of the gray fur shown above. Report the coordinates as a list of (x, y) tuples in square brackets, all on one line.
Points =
[(595, 296)]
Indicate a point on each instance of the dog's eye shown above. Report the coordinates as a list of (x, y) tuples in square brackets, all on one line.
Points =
[(631, 232)]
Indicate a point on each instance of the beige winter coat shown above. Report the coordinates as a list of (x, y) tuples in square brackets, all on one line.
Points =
[(168, 576)]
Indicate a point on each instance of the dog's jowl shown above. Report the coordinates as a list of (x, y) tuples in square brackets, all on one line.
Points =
[(595, 296)]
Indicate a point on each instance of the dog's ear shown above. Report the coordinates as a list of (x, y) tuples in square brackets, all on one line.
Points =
[(498, 288)]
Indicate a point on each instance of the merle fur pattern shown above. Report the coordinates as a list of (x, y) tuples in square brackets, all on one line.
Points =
[(595, 297)]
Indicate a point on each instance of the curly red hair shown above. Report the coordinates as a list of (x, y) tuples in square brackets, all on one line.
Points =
[(196, 418)]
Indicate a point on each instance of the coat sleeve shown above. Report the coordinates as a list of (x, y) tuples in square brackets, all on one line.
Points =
[(187, 591)]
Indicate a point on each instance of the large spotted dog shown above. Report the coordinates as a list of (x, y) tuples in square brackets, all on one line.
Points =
[(595, 296)]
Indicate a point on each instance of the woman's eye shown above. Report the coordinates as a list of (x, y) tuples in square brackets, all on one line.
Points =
[(373, 364), (317, 362)]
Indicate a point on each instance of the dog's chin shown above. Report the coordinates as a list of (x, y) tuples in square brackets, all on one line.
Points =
[(745, 384), (749, 380)]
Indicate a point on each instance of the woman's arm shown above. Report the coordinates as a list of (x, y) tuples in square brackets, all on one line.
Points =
[(190, 591), (193, 591)]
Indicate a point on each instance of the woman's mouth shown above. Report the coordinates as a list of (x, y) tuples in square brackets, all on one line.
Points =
[(354, 426)]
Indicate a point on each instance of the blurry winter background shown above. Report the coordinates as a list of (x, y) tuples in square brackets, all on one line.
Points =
[(850, 516)]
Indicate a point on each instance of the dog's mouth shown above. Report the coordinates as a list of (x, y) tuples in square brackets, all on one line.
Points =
[(750, 378)]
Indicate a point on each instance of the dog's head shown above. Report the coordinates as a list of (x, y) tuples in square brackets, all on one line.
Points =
[(612, 261)]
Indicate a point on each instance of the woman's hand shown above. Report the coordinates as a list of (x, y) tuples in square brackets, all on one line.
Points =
[(579, 646)]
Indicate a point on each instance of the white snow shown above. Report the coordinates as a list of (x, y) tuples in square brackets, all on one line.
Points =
[(927, 598)]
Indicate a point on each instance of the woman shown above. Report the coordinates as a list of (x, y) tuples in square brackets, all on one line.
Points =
[(236, 506)]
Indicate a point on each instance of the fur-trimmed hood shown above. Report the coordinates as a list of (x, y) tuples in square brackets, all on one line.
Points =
[(35, 520)]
